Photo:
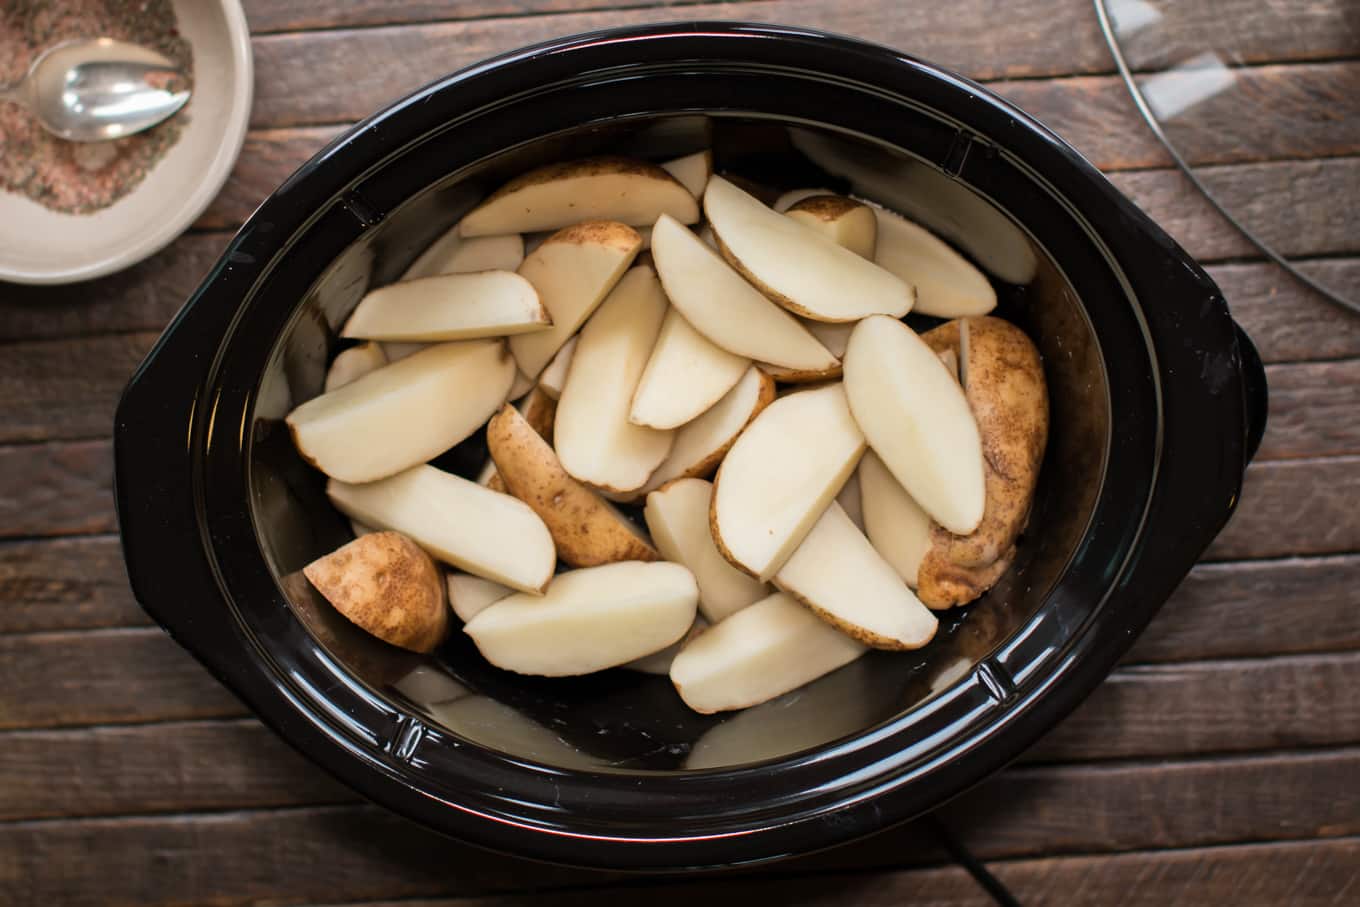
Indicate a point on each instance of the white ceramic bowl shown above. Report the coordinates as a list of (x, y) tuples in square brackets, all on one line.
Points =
[(38, 245)]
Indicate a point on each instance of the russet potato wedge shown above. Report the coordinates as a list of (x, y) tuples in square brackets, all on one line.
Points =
[(396, 351), (844, 221), (762, 651), (385, 584), (721, 305), (354, 363), (917, 420), (947, 285), (470, 595), (555, 375), (522, 386), (540, 411), (594, 439), (660, 662), (479, 531), (797, 266), (619, 189), (404, 413), (700, 445), (692, 171), (586, 528), (588, 619), (685, 375), (896, 525), (852, 500), (677, 516), (454, 253), (781, 474), (449, 307), (794, 196), (839, 575), (573, 271)]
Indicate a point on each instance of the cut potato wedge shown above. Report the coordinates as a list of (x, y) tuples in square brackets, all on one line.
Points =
[(797, 266), (359, 529), (449, 307), (477, 530), (587, 529), (839, 575), (454, 253), (721, 305), (386, 586), (540, 411), (947, 285), (398, 351), (602, 188), (846, 222), (354, 363), (700, 445), (794, 196), (834, 336), (555, 375), (677, 516), (801, 376), (404, 413), (573, 271), (593, 437), (896, 525), (917, 420), (692, 171), (852, 500), (781, 474), (660, 662), (685, 375), (588, 619), (470, 595), (763, 651)]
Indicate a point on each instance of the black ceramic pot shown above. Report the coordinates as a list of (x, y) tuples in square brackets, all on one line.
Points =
[(1158, 402)]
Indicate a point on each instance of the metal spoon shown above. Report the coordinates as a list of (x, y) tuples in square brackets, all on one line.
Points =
[(99, 89)]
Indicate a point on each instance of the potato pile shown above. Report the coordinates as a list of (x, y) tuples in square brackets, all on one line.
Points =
[(816, 476)]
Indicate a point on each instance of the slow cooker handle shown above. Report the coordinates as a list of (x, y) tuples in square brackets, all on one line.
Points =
[(1255, 394)]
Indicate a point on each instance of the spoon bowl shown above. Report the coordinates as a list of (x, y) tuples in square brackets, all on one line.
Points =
[(100, 89)]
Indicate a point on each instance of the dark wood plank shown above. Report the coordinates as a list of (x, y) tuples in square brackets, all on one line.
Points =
[(1164, 710), (352, 853), (175, 767), (1312, 410), (1286, 320), (268, 157), (104, 677), (58, 389), (1294, 507), (1250, 608), (65, 584), (62, 488), (267, 16)]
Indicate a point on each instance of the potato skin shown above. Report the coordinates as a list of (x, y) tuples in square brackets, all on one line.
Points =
[(1007, 393), (388, 586), (587, 530)]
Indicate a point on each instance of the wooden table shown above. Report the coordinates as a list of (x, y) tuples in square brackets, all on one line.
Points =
[(1219, 764)]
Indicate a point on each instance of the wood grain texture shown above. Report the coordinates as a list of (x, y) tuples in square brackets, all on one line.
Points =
[(1294, 507), (267, 159), (65, 584), (266, 16), (1312, 410), (1286, 320), (62, 488)]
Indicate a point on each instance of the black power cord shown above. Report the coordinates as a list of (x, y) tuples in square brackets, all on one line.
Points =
[(974, 867)]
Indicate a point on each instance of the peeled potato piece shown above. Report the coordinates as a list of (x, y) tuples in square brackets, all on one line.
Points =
[(619, 189), (917, 420), (781, 474), (1004, 383), (387, 586), (839, 575), (404, 413), (660, 662), (852, 501), (572, 271), (846, 222), (794, 196), (685, 375), (594, 438), (396, 352), (480, 531), (896, 525), (353, 363), (470, 595), (588, 619), (692, 171), (453, 253), (700, 445), (721, 305), (554, 377), (797, 266), (586, 528), (762, 651), (449, 307), (677, 516), (521, 387), (947, 285)]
